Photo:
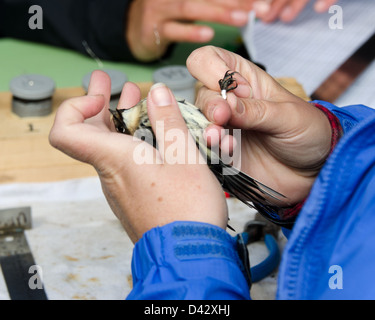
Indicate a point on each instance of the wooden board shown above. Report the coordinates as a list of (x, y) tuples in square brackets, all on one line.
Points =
[(25, 153)]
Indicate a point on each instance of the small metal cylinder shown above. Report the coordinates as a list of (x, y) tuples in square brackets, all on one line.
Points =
[(179, 80), (32, 95)]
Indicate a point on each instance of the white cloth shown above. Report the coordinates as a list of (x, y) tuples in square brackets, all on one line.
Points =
[(82, 248)]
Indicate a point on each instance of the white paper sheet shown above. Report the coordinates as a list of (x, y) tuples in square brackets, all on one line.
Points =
[(309, 50)]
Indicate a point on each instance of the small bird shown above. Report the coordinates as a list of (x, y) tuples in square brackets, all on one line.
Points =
[(235, 182)]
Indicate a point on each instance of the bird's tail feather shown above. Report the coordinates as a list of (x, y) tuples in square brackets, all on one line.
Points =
[(251, 192)]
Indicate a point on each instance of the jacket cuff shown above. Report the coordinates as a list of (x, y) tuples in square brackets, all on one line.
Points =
[(188, 260)]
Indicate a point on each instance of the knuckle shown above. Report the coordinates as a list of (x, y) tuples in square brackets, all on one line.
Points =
[(184, 8), (171, 120), (198, 57), (60, 128), (169, 125), (53, 138), (205, 102), (56, 139), (257, 111)]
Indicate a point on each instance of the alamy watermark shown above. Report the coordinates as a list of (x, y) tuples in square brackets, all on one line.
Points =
[(336, 281), (184, 151), (36, 280), (336, 21), (36, 20)]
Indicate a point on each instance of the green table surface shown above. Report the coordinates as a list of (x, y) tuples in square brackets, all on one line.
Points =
[(67, 67)]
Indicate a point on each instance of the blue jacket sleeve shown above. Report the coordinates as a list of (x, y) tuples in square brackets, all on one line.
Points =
[(329, 254), (349, 117), (187, 260)]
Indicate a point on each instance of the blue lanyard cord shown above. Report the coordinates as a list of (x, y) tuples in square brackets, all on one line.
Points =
[(268, 265)]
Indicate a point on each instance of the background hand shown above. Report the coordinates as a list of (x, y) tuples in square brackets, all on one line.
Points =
[(284, 140), (168, 21), (146, 195), (287, 10)]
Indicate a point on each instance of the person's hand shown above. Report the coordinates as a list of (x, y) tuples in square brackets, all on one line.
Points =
[(286, 10), (154, 24), (145, 195), (284, 140)]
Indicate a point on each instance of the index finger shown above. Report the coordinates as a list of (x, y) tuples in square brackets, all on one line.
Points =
[(210, 64), (100, 84), (323, 5)]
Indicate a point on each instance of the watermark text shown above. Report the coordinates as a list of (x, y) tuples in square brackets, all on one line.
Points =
[(36, 20)]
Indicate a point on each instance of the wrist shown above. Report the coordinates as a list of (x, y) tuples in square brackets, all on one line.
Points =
[(290, 213)]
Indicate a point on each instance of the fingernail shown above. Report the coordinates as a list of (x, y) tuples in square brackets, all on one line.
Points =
[(320, 6), (240, 107), (286, 13), (261, 7), (239, 17), (160, 95), (206, 33)]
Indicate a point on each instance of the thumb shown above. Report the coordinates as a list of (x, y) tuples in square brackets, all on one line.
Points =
[(174, 140), (266, 116)]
